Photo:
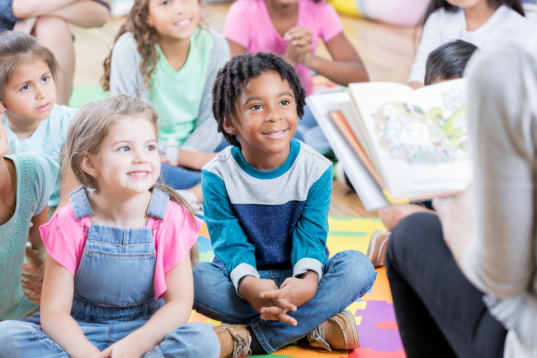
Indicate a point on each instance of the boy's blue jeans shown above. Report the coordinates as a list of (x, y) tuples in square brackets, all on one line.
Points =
[(346, 276)]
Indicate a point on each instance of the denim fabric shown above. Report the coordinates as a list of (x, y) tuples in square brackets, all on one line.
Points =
[(114, 294), (312, 133), (347, 276), (25, 338), (179, 178), (7, 20)]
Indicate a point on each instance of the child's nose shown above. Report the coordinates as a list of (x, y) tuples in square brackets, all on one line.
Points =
[(140, 156), (275, 114), (40, 92), (179, 7)]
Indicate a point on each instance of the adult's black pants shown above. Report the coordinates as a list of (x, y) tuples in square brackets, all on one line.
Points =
[(439, 312)]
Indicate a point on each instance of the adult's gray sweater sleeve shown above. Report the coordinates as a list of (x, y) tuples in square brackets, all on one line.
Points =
[(501, 258), (205, 137)]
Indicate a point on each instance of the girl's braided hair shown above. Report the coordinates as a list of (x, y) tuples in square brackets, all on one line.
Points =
[(239, 70)]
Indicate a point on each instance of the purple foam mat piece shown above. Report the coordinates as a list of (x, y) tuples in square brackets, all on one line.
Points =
[(383, 340)]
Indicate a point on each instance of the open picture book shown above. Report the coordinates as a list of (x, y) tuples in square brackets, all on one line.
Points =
[(413, 144)]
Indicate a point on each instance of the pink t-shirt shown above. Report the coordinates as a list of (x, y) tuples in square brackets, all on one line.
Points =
[(248, 23), (65, 240)]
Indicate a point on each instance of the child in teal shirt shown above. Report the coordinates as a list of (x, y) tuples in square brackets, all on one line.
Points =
[(26, 181)]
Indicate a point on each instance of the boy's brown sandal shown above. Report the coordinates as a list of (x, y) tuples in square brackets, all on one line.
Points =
[(338, 332), (234, 340)]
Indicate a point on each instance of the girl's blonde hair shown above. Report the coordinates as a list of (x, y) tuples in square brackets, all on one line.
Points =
[(146, 42), (90, 126), (16, 48)]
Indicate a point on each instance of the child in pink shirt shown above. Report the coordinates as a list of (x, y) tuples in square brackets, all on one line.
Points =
[(291, 29), (118, 273)]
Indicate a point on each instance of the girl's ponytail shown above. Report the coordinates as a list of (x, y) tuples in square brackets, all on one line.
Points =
[(178, 199)]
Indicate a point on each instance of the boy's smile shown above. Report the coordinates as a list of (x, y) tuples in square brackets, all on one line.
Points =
[(265, 120)]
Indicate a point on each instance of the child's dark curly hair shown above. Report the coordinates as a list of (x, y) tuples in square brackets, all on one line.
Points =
[(239, 70)]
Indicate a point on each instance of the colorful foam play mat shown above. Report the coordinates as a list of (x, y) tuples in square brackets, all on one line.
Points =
[(374, 315)]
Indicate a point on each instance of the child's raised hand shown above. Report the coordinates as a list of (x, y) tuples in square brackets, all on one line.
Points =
[(300, 45), (3, 142)]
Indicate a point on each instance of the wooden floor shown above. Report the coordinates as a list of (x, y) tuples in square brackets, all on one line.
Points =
[(387, 52)]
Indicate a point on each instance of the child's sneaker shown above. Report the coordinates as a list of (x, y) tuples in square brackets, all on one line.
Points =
[(338, 332), (378, 245), (234, 340)]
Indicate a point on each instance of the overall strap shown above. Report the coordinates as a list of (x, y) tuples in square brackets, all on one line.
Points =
[(79, 203), (158, 204)]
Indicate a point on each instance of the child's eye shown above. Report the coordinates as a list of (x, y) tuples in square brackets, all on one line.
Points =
[(165, 2), (25, 88), (124, 149), (150, 147), (285, 102), (45, 79), (256, 107)]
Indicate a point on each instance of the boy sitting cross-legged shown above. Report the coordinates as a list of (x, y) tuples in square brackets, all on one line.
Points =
[(266, 202)]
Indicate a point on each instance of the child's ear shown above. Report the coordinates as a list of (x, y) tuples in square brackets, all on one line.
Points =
[(3, 108), (229, 126), (87, 163)]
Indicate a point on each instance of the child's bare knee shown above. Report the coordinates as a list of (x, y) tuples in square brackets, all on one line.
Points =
[(47, 26)]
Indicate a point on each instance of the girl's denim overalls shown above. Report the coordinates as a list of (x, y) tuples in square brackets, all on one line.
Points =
[(113, 294)]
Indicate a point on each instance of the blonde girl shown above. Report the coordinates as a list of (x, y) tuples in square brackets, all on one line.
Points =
[(118, 273), (162, 54)]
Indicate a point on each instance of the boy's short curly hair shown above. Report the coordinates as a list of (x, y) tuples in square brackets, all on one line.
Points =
[(239, 70)]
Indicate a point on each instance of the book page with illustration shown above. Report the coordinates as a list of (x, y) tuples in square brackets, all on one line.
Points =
[(418, 139)]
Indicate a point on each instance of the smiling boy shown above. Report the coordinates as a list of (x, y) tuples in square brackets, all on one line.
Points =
[(266, 202)]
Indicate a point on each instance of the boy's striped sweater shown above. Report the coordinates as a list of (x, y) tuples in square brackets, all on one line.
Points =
[(268, 219)]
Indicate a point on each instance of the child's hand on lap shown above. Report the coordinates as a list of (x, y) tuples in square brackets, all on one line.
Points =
[(300, 45), (251, 289), (125, 348), (293, 291)]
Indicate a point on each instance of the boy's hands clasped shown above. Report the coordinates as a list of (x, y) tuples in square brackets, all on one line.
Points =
[(275, 303)]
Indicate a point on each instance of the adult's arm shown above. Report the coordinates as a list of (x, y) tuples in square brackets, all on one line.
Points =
[(502, 111)]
